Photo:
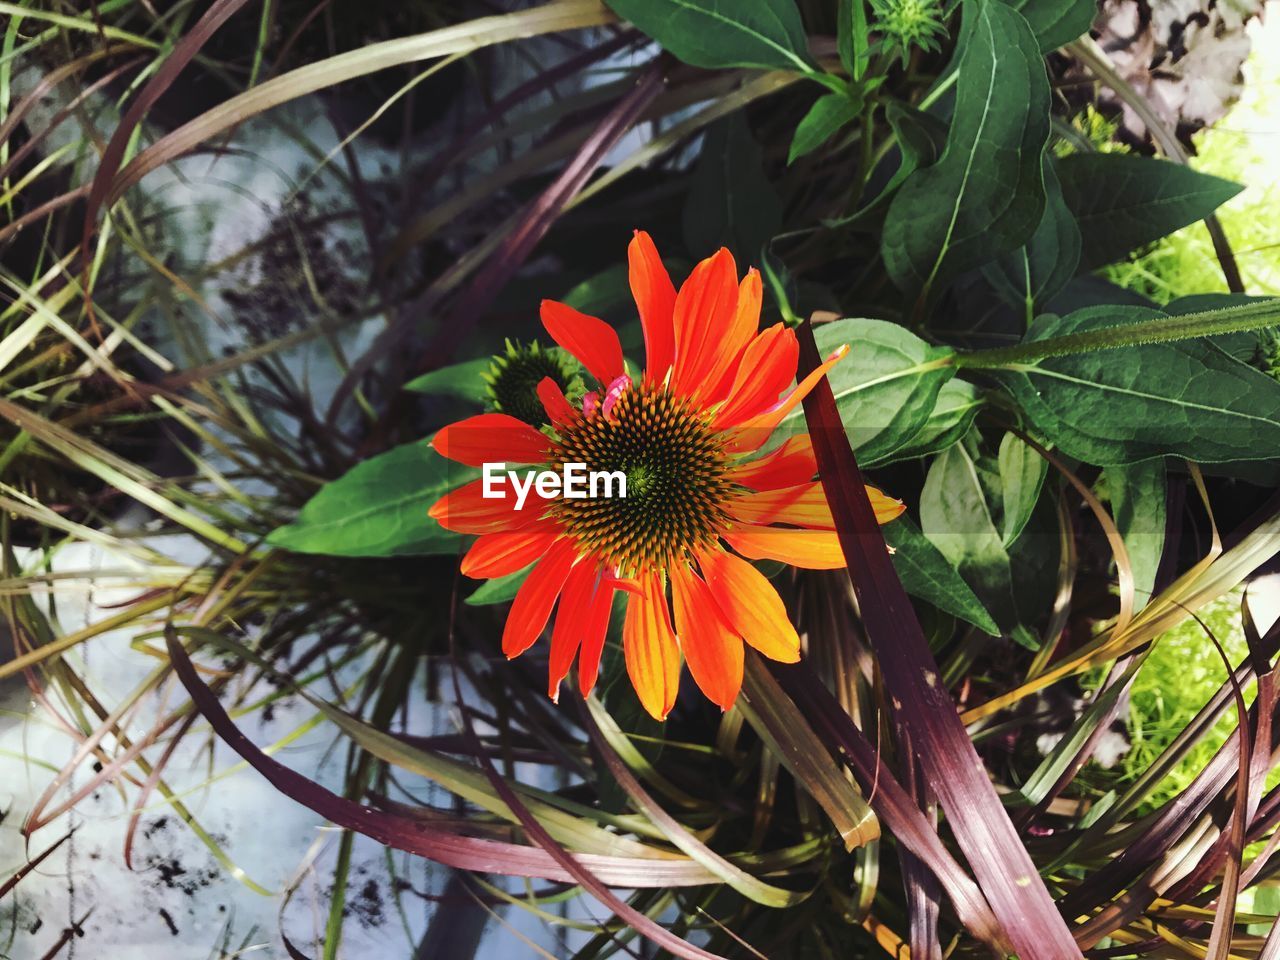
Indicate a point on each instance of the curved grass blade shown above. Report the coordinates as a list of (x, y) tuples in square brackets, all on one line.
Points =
[(922, 706)]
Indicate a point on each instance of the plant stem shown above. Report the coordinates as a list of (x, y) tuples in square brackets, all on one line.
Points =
[(1192, 326)]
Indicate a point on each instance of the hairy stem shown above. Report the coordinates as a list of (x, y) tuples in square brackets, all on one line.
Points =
[(1192, 326)]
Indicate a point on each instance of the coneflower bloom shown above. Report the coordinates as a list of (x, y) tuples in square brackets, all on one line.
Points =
[(686, 435)]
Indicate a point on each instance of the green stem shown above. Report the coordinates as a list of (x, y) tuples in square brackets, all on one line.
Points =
[(1192, 326)]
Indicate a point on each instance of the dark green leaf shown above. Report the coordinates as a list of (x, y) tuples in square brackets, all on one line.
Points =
[(886, 387), (958, 403), (1187, 399), (852, 38), (1037, 271), (985, 195), (723, 33), (731, 202), (1055, 22), (1122, 202), (956, 518), (1022, 472), (378, 508), (824, 120), (926, 574), (921, 138), (461, 380), (1137, 494)]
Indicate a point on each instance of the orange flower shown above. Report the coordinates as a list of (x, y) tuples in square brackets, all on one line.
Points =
[(685, 435)]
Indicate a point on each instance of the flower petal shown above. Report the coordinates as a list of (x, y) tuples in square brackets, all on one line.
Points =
[(500, 554), (467, 510), (655, 297), (490, 438), (886, 507), (590, 339), (767, 368), (571, 622), (810, 549), (735, 340), (792, 463), (650, 649), (712, 650), (560, 411), (804, 505), (593, 634), (537, 595), (755, 431), (704, 313), (751, 605)]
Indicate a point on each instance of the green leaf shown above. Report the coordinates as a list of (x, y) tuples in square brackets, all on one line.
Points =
[(1022, 472), (921, 138), (461, 380), (1055, 22), (731, 203), (499, 589), (378, 508), (958, 403), (926, 574), (1122, 202), (1036, 272), (885, 388), (985, 195), (825, 118), (956, 518), (1138, 507), (852, 38), (1186, 399), (715, 34)]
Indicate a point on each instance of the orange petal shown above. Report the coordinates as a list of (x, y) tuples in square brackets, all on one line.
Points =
[(751, 605), (755, 431), (559, 410), (712, 650), (590, 339), (655, 298), (593, 634), (886, 507), (746, 321), (650, 650), (537, 595), (468, 510), (704, 313), (810, 549), (500, 554), (571, 622), (804, 505), (792, 463), (767, 368), (490, 438)]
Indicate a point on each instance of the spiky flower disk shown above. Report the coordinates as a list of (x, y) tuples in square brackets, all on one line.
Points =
[(514, 375), (675, 467), (910, 23)]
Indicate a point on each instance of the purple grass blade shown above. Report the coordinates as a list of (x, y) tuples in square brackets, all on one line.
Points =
[(30, 865), (922, 705), (418, 836), (890, 800)]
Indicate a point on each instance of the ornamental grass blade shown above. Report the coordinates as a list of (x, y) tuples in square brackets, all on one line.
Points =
[(892, 804), (419, 836), (922, 706), (779, 723)]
